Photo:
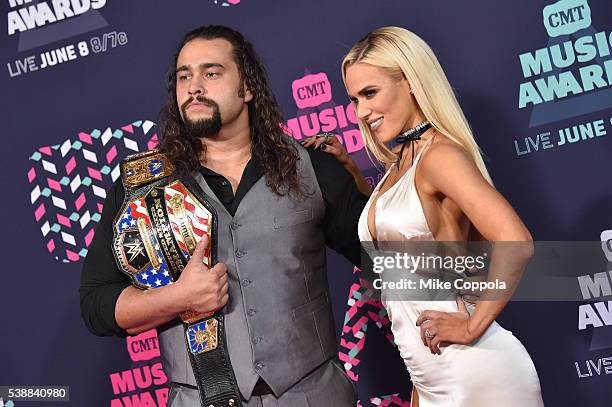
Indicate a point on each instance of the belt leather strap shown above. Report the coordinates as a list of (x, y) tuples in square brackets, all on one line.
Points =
[(161, 220)]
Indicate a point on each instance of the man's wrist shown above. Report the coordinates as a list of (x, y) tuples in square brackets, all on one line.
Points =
[(175, 299)]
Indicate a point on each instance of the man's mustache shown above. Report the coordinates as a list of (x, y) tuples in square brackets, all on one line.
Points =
[(200, 99)]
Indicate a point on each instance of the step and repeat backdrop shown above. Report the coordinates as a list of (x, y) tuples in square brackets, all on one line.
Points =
[(82, 82)]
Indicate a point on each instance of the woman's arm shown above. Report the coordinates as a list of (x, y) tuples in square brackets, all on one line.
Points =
[(449, 170), (331, 145)]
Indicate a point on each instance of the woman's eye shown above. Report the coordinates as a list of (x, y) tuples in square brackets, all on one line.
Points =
[(370, 93)]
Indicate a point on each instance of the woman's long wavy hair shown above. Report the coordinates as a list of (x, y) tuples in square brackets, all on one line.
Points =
[(269, 144), (403, 54)]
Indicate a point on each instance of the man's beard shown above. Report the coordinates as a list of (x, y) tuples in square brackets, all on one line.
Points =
[(196, 129)]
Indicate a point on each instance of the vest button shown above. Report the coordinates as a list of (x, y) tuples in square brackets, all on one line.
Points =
[(234, 225), (251, 312), (240, 253), (257, 340), (259, 366), (246, 282)]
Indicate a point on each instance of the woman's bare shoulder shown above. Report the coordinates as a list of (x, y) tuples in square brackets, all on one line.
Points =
[(442, 150), (447, 161)]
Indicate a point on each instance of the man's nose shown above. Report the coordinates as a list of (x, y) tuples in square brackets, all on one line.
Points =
[(196, 87)]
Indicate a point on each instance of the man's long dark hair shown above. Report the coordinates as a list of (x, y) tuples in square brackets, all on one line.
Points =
[(269, 144)]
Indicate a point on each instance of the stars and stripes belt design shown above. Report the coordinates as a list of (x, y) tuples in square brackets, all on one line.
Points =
[(155, 233)]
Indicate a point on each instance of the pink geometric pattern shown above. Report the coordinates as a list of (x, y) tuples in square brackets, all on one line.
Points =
[(80, 201), (39, 212), (364, 312), (54, 185), (68, 183), (70, 165), (112, 153), (388, 401), (227, 3)]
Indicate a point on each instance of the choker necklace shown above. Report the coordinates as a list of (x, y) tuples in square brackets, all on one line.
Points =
[(410, 135)]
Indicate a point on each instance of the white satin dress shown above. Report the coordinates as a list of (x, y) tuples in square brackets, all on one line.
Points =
[(495, 370)]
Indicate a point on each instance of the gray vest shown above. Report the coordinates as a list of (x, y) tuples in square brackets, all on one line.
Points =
[(278, 318)]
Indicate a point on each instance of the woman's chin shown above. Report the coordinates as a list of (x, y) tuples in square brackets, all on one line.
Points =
[(385, 138)]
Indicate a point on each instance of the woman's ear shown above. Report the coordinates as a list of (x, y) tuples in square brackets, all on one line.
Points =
[(404, 82)]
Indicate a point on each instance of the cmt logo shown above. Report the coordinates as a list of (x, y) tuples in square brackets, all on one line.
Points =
[(144, 346), (311, 90), (565, 17), (606, 244)]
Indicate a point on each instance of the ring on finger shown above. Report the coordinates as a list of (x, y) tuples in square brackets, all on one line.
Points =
[(325, 137), (428, 334)]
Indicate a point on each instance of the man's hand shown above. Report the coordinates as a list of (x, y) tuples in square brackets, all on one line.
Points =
[(204, 290)]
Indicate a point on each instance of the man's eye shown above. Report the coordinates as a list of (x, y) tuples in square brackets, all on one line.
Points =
[(212, 74), (184, 77)]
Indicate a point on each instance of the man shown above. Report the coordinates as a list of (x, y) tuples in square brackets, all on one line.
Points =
[(277, 206)]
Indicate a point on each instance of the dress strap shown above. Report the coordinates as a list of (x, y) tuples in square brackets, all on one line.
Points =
[(418, 156)]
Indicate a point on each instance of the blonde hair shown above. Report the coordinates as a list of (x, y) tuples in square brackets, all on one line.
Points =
[(403, 54)]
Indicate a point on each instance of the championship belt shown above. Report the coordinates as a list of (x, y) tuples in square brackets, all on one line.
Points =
[(156, 231)]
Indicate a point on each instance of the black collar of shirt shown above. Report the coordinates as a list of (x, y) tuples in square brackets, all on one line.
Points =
[(222, 188)]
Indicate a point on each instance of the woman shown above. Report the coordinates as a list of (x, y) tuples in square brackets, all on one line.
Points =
[(436, 188)]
